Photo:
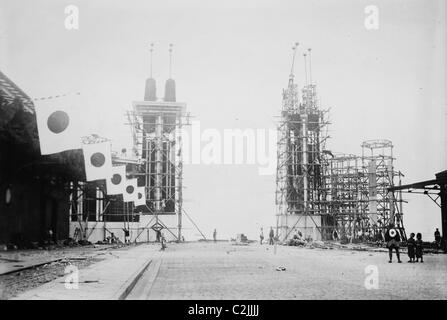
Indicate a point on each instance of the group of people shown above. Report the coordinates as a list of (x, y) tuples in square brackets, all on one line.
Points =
[(415, 248), (271, 236), (112, 238), (393, 239), (414, 245)]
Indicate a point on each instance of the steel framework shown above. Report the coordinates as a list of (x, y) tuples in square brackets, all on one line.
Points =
[(340, 195), (157, 133), (384, 207), (344, 198), (302, 135)]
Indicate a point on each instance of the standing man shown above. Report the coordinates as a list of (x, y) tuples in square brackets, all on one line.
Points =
[(215, 235), (261, 236), (126, 235), (162, 241), (50, 236), (392, 238), (437, 238), (271, 236)]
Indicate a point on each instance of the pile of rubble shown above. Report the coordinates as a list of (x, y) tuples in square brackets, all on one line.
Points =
[(241, 239), (329, 245)]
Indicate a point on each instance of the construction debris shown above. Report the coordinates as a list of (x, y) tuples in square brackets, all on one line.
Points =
[(241, 238), (281, 268)]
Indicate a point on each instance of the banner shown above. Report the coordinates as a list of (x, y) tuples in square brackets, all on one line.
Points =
[(130, 190), (141, 197), (98, 161), (116, 182), (58, 123)]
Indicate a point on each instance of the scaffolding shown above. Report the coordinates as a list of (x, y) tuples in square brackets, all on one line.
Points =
[(92, 210), (302, 135), (384, 208), (343, 195), (156, 162), (327, 195), (156, 128)]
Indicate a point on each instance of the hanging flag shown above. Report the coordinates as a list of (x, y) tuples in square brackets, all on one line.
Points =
[(141, 197), (116, 182), (130, 190), (98, 160), (58, 123)]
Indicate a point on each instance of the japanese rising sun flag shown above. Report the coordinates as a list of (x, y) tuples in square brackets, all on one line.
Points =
[(58, 120), (130, 190), (116, 182), (141, 197), (98, 160)]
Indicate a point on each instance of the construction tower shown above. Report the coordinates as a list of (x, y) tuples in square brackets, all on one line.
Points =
[(326, 195), (300, 151), (157, 125)]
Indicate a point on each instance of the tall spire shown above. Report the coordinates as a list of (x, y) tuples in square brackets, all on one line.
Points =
[(170, 83), (170, 60), (293, 60), (151, 50), (150, 92), (305, 68), (310, 65)]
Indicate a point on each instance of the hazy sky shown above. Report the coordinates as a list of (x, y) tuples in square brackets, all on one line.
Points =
[(231, 62)]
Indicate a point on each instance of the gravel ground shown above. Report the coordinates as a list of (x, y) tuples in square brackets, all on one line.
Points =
[(17, 282), (225, 271)]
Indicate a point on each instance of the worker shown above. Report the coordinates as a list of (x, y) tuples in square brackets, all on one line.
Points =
[(392, 238), (162, 241), (50, 236), (215, 235), (271, 236), (126, 235), (112, 238), (411, 245), (419, 249), (437, 235)]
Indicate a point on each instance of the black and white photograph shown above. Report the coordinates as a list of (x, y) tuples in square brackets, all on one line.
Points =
[(237, 150)]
